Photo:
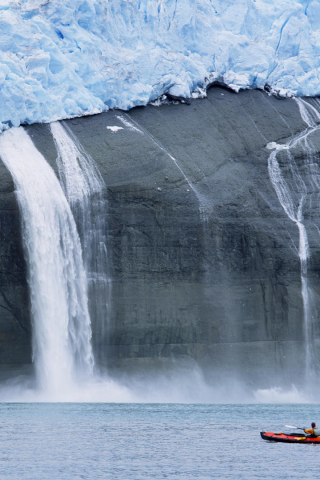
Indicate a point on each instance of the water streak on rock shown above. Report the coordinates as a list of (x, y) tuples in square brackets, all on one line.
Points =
[(84, 188), (294, 183), (203, 203)]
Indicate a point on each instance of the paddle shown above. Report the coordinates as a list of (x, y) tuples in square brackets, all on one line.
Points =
[(292, 426)]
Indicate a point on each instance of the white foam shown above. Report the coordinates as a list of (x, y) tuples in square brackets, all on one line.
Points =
[(280, 395)]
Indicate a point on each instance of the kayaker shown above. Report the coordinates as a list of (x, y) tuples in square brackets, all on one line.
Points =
[(313, 431)]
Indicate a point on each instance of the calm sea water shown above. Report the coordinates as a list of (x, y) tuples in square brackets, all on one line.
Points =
[(153, 441)]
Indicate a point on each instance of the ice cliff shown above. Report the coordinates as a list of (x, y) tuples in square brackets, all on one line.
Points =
[(63, 58)]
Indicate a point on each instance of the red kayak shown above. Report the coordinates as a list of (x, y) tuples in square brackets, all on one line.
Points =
[(289, 438)]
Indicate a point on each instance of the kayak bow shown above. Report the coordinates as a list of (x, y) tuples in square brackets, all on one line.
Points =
[(291, 438)]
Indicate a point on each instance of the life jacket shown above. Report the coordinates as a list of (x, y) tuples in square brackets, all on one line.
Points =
[(316, 432)]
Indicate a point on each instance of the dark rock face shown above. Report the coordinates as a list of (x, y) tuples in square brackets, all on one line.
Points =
[(15, 345), (204, 258)]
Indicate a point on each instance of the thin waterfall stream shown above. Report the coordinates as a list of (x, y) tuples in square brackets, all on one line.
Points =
[(62, 350), (292, 188), (84, 188), (204, 206)]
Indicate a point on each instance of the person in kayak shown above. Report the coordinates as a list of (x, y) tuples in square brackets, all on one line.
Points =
[(313, 431)]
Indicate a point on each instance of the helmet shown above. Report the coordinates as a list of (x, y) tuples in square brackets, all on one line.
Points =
[(313, 425)]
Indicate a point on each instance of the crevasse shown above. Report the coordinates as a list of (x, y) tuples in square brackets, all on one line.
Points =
[(64, 58)]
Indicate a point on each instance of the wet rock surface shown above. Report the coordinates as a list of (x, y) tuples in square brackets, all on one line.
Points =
[(15, 344), (204, 260)]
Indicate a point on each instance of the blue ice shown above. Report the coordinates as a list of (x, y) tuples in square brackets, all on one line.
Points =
[(64, 58)]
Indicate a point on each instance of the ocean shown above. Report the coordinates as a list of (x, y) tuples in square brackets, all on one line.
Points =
[(62, 441)]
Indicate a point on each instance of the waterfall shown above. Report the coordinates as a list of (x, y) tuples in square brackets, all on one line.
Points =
[(292, 191), (84, 189), (133, 125), (57, 280)]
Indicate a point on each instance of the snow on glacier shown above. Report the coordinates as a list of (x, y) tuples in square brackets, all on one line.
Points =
[(64, 58)]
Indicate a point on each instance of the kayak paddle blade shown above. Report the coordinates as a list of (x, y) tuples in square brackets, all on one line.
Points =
[(292, 426)]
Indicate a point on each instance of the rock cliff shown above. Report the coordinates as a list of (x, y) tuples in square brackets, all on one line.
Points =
[(203, 258)]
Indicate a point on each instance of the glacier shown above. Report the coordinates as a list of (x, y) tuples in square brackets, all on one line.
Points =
[(66, 58)]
